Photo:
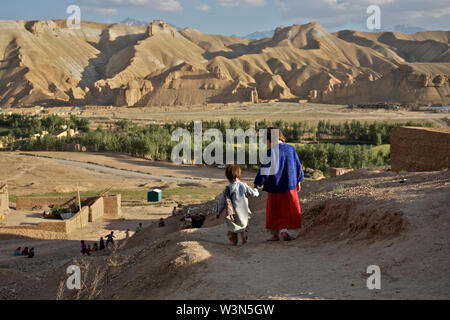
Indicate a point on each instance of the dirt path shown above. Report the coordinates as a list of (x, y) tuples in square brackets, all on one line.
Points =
[(119, 172), (134, 167), (21, 173), (402, 228)]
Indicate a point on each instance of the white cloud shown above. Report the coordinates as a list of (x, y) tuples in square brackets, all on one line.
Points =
[(229, 3), (163, 5), (254, 3), (103, 11), (336, 14), (202, 7), (243, 3)]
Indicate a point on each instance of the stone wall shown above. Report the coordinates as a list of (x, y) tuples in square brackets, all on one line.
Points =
[(112, 205), (420, 149)]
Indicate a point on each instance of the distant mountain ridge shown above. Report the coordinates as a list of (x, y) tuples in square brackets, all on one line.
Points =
[(259, 34), (139, 23), (398, 28), (133, 22), (157, 64), (404, 28)]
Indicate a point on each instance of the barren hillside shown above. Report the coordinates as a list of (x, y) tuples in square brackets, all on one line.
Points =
[(396, 221), (45, 63)]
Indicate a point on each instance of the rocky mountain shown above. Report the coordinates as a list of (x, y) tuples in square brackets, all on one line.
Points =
[(45, 63), (259, 34), (402, 28), (139, 23), (133, 22)]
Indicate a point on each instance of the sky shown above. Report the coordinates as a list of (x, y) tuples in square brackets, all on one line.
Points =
[(241, 17)]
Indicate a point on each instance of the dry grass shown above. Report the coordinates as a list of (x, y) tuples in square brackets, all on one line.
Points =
[(311, 112)]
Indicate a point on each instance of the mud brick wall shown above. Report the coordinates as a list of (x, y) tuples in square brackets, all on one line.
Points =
[(42, 202), (53, 226), (112, 205), (96, 210), (78, 221), (4, 202), (31, 232), (335, 172), (420, 149)]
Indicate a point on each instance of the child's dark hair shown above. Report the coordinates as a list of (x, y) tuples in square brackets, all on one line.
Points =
[(280, 134), (233, 172)]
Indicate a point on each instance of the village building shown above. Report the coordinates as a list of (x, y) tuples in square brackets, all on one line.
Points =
[(63, 133), (71, 219), (39, 135)]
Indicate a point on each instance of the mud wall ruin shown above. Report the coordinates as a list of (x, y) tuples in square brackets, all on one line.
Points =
[(96, 210), (31, 232), (51, 227), (32, 203), (93, 209), (420, 149), (4, 199), (335, 172), (112, 206), (78, 221)]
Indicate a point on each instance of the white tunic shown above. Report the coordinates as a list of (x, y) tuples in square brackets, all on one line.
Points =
[(239, 191)]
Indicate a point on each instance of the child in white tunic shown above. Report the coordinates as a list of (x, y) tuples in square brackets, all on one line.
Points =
[(234, 201)]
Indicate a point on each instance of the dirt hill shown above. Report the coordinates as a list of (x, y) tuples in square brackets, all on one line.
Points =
[(396, 221), (45, 63)]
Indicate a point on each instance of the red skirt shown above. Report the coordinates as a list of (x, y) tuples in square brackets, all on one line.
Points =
[(283, 210)]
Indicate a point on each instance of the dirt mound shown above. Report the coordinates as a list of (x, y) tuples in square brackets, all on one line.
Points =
[(11, 281), (338, 220), (374, 219), (68, 189), (156, 271)]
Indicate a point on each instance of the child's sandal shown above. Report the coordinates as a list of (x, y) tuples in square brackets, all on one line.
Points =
[(244, 236), (285, 236), (232, 237)]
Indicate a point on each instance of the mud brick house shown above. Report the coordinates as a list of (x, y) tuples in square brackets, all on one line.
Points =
[(420, 149)]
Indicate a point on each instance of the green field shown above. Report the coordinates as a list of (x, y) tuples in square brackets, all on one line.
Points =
[(4, 131), (385, 148)]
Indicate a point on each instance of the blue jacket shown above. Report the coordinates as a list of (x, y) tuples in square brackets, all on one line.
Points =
[(290, 171)]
